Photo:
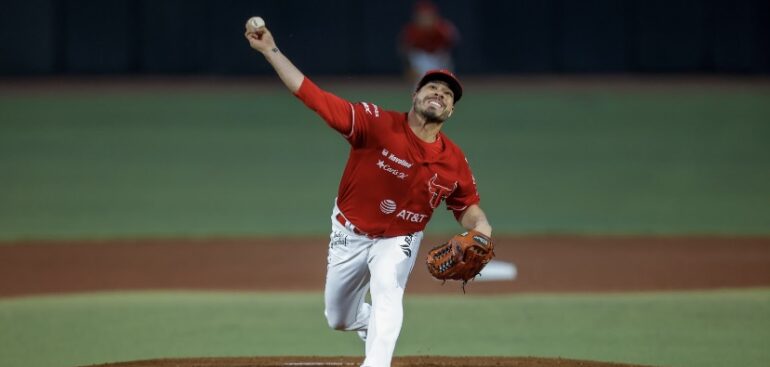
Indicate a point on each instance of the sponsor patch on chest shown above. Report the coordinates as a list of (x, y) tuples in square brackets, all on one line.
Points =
[(395, 159), (392, 170), (411, 216), (398, 167)]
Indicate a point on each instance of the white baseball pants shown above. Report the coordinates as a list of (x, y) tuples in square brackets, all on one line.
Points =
[(357, 264)]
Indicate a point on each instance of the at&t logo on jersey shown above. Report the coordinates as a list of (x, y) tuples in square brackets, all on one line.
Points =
[(411, 216), (387, 206)]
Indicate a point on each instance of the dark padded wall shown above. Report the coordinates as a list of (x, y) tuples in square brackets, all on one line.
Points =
[(354, 37)]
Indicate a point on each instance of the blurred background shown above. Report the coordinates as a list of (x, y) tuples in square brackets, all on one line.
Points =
[(349, 37)]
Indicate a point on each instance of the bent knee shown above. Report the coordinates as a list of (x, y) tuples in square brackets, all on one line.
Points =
[(337, 325), (336, 322)]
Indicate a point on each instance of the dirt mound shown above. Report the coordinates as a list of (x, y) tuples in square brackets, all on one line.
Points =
[(421, 361)]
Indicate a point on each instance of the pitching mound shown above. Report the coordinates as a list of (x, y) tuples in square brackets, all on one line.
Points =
[(424, 361)]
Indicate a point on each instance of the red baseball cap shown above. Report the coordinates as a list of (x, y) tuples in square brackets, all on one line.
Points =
[(445, 76)]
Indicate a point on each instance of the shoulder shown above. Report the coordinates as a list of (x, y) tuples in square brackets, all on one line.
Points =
[(445, 24), (372, 120), (447, 28), (372, 111), (454, 153), (367, 109)]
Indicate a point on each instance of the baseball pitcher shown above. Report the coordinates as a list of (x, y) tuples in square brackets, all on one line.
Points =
[(400, 168)]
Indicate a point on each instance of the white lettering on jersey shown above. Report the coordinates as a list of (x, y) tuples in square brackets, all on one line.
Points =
[(400, 161), (369, 110), (387, 168), (411, 216)]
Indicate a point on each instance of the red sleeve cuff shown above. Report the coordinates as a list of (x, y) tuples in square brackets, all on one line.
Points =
[(458, 211), (307, 89)]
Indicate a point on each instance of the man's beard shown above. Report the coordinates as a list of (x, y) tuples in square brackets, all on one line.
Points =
[(431, 115)]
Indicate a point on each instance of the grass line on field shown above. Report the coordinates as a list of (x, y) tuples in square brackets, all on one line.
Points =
[(707, 328)]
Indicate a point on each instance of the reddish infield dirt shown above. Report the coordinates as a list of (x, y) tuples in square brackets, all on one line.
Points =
[(544, 264)]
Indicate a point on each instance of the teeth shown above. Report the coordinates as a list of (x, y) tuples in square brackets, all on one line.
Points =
[(434, 103)]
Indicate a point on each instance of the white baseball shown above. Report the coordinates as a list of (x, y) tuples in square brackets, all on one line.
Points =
[(254, 24)]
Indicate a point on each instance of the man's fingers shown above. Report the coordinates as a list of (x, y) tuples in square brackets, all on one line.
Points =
[(253, 36)]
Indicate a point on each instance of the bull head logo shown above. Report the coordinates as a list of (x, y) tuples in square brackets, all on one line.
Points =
[(439, 192)]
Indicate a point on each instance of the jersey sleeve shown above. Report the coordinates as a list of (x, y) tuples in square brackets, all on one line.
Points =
[(349, 119), (466, 193)]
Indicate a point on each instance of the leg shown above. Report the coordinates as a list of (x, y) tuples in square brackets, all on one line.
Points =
[(347, 281), (391, 261)]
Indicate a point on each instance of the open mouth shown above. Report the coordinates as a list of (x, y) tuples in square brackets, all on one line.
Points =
[(435, 103)]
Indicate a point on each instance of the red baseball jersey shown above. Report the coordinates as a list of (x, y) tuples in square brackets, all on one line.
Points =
[(393, 180)]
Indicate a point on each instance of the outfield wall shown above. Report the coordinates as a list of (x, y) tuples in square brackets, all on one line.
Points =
[(350, 36)]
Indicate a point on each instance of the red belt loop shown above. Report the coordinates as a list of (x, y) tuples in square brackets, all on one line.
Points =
[(345, 223), (342, 220)]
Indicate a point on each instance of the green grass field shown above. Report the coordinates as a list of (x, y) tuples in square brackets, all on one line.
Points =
[(236, 163), (93, 164), (703, 329)]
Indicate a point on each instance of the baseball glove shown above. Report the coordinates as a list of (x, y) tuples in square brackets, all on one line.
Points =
[(462, 258)]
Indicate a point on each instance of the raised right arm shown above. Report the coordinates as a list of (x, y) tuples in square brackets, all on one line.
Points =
[(265, 44), (337, 112)]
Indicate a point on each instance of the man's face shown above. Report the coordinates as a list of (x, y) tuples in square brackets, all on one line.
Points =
[(434, 101)]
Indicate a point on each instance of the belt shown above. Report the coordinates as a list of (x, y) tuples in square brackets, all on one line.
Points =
[(347, 224)]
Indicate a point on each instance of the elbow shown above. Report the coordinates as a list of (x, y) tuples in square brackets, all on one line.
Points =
[(295, 84)]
